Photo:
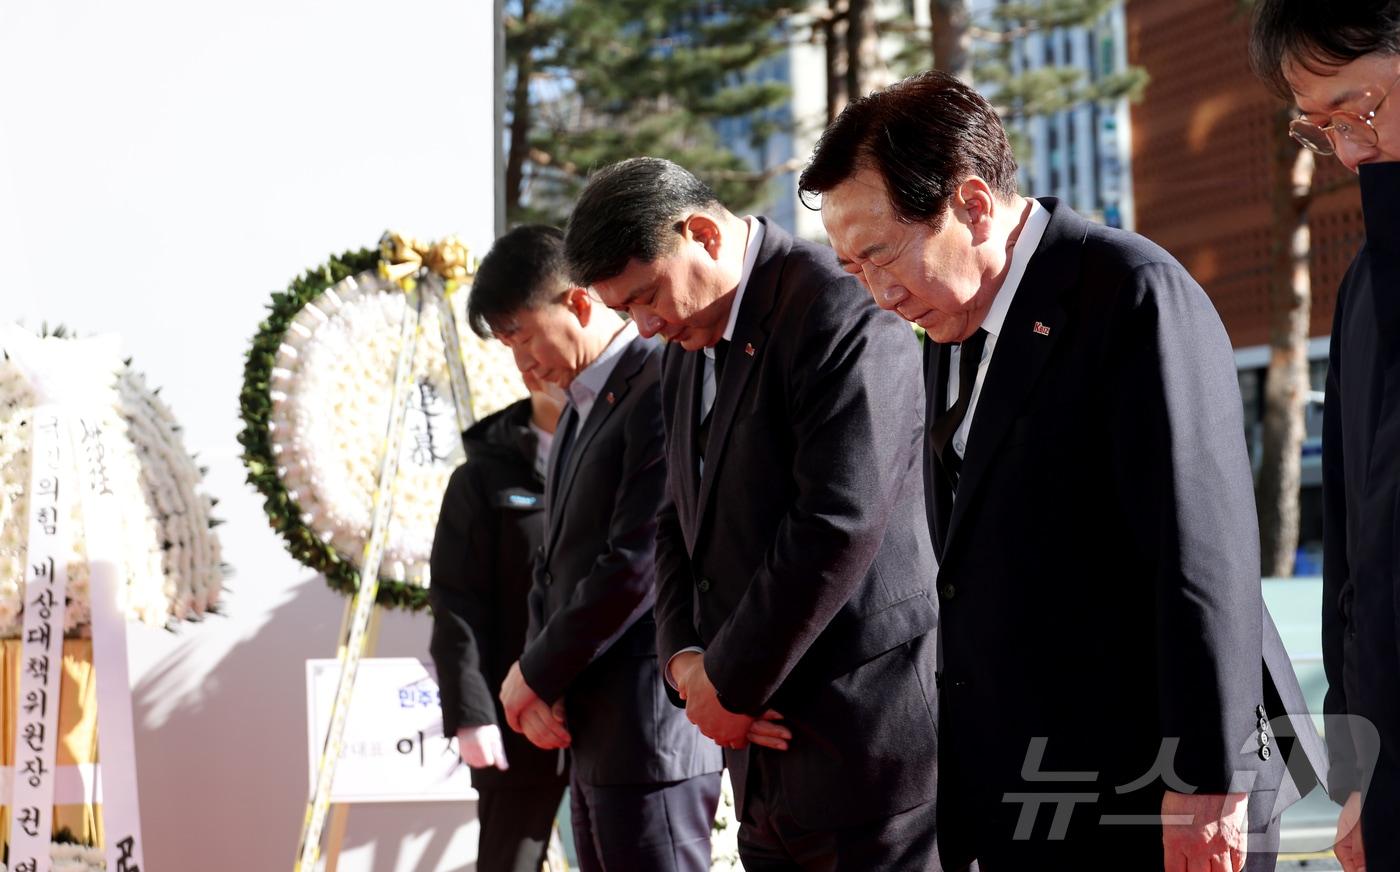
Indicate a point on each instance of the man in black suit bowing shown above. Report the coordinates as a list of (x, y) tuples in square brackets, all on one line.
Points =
[(794, 601), (645, 783), (1091, 502)]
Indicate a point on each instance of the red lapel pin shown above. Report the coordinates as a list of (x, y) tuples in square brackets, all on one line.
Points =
[(749, 349), (611, 398), (1041, 329)]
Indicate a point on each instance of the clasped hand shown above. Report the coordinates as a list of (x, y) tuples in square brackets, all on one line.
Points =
[(544, 725), (727, 729), (1204, 832)]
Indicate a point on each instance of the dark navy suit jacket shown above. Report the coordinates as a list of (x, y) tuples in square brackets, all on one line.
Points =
[(1099, 581), (802, 554), (592, 637)]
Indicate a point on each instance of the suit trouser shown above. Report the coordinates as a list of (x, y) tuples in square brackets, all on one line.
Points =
[(644, 827), (771, 841), (516, 824)]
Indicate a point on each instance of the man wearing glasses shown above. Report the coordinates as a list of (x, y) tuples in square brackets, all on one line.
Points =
[(1340, 63)]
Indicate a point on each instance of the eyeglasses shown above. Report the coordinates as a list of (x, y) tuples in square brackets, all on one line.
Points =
[(1341, 126)]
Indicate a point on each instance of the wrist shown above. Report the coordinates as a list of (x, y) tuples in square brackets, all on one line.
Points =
[(683, 664)]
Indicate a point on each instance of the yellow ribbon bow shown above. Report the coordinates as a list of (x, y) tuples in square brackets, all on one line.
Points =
[(402, 260)]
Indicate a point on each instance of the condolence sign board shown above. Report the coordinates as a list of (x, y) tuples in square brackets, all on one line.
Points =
[(394, 750)]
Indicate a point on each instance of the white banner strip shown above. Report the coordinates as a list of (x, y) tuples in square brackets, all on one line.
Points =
[(363, 603), (51, 488), (72, 785), (116, 741)]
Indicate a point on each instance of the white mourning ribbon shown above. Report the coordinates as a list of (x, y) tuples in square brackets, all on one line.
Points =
[(51, 490), (116, 737), (72, 379)]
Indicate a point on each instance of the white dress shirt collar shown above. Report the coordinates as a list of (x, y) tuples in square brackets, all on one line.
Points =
[(586, 386), (1026, 244), (1021, 252), (751, 247)]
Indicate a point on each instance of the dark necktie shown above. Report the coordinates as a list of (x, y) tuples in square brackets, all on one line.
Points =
[(947, 423), (702, 434), (565, 432)]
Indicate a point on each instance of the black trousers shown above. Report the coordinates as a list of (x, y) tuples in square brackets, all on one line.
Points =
[(515, 826), (644, 827), (771, 841)]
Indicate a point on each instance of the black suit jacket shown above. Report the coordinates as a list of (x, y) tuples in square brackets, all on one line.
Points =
[(1361, 488), (802, 553), (1099, 578), (592, 634), (491, 523)]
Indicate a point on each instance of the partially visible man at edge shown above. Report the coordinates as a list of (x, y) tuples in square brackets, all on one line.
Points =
[(1339, 62), (1090, 498)]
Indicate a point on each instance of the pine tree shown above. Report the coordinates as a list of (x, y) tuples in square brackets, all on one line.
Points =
[(1046, 90), (979, 52), (597, 81)]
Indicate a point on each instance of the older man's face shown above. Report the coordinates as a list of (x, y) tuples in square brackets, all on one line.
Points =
[(928, 277)]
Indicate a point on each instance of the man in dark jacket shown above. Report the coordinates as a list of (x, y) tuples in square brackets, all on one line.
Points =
[(492, 521), (645, 782), (1340, 62), (794, 606)]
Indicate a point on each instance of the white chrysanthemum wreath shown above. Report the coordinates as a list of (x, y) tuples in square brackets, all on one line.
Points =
[(69, 857), (170, 553), (316, 401)]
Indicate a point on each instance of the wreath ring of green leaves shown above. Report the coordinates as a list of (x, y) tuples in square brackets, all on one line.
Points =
[(256, 407)]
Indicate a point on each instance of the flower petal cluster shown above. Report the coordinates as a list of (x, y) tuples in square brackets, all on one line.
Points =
[(170, 555), (317, 401)]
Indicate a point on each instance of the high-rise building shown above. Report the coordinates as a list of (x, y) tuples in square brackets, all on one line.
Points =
[(780, 148), (802, 67), (1081, 155)]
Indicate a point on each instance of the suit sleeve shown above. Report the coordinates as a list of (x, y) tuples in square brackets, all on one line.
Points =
[(621, 585), (1344, 775), (675, 618), (462, 598), (534, 602), (854, 406), (1184, 485)]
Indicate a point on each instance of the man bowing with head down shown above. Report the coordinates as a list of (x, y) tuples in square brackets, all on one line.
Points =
[(794, 612), (645, 783), (1104, 705)]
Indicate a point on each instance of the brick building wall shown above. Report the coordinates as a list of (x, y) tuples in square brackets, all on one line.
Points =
[(1201, 140)]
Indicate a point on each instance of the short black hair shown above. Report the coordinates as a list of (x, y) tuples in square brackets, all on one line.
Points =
[(925, 135), (523, 270), (1316, 35), (628, 210)]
